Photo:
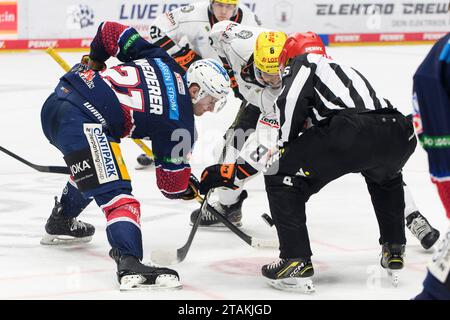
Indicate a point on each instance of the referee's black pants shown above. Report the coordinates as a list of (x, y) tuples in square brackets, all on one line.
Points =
[(376, 144)]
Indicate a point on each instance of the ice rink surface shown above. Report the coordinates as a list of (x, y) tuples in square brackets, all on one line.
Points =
[(342, 224)]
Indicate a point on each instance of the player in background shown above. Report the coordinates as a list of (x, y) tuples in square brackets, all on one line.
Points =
[(91, 111), (253, 58), (252, 54), (349, 129), (184, 34), (432, 121)]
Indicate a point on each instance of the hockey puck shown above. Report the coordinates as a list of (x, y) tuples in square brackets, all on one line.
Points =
[(145, 160), (267, 219)]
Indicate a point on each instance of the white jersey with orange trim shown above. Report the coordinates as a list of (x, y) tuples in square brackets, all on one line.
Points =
[(235, 43), (184, 32)]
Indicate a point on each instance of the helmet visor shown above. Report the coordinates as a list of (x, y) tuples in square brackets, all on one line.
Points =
[(272, 80), (220, 104), (209, 102)]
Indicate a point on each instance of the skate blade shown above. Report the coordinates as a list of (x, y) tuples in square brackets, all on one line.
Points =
[(394, 276), (139, 167), (217, 226), (137, 283), (302, 285), (61, 240)]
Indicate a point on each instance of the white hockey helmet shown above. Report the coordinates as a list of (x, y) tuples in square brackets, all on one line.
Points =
[(212, 79)]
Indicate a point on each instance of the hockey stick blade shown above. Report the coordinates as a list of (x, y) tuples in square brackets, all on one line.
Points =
[(169, 257), (252, 241), (40, 168)]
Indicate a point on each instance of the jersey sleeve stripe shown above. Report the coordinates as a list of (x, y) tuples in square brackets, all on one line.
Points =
[(294, 92)]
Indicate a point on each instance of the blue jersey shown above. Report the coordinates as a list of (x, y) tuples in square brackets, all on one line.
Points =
[(145, 97), (432, 107)]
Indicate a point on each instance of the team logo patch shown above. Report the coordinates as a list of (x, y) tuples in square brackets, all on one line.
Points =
[(245, 34), (103, 157), (180, 84), (187, 9), (88, 78), (270, 121), (171, 19)]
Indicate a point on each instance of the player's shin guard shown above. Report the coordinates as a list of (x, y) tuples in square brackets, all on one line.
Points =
[(444, 193), (123, 225), (72, 200)]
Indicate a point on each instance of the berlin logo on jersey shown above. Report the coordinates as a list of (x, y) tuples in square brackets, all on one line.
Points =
[(79, 17)]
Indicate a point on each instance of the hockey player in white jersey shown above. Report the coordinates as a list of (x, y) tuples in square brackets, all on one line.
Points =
[(184, 34), (255, 63), (252, 54), (348, 129)]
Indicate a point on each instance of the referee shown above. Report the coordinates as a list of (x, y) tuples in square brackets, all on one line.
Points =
[(332, 123)]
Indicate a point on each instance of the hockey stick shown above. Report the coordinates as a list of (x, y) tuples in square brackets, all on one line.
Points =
[(252, 241), (51, 51), (168, 257), (49, 169)]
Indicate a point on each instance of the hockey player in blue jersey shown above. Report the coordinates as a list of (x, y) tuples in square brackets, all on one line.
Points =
[(93, 107), (432, 120)]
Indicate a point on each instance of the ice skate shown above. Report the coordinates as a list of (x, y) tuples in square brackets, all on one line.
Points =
[(144, 162), (61, 230), (290, 275), (232, 212), (422, 230), (135, 276), (392, 260)]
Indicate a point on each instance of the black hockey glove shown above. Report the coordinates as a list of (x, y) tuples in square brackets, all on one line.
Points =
[(96, 65), (192, 191), (185, 57), (219, 175), (88, 64)]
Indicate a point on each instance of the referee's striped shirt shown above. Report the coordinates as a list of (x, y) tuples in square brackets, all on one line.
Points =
[(316, 87)]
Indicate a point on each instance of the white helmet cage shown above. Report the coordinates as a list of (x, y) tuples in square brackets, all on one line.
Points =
[(212, 79)]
